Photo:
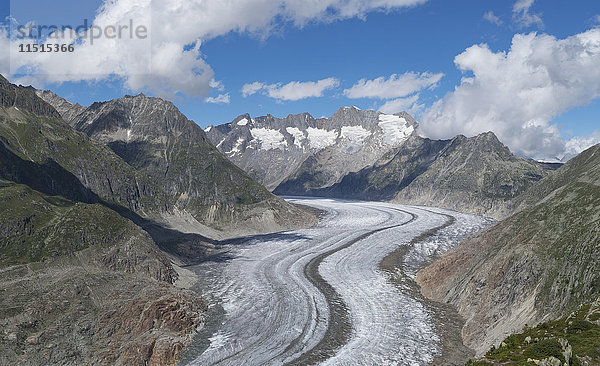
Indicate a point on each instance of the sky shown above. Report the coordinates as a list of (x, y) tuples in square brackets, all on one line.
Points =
[(528, 70)]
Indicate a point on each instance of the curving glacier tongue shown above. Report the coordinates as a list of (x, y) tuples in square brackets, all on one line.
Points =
[(318, 296)]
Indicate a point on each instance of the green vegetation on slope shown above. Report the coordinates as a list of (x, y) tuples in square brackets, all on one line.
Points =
[(574, 339), (36, 227)]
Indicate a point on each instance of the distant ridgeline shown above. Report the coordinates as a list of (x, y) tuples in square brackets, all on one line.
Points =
[(369, 155)]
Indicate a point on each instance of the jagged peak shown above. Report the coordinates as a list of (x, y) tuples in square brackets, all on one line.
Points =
[(486, 137), (491, 141), (24, 98), (241, 116), (347, 109), (130, 100), (140, 95), (489, 136), (303, 114), (242, 120), (46, 92)]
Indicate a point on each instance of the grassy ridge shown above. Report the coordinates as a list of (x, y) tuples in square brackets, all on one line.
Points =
[(580, 330), (36, 227)]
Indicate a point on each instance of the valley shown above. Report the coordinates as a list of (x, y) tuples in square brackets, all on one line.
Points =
[(319, 295), (131, 235)]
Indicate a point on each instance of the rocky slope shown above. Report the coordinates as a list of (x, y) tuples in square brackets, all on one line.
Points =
[(307, 153), (539, 264), (209, 195), (66, 109), (475, 175), (39, 149), (82, 284)]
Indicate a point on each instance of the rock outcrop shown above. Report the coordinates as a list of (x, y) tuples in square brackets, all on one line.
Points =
[(81, 284), (567, 341)]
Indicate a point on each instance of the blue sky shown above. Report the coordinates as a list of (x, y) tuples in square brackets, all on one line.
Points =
[(423, 39)]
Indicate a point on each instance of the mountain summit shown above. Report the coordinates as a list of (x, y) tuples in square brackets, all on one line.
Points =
[(205, 191)]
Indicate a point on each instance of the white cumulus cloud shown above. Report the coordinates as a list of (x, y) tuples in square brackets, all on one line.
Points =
[(169, 61), (492, 18), (294, 90), (517, 93), (578, 144), (220, 99), (252, 88), (216, 85), (523, 16), (408, 104), (396, 86)]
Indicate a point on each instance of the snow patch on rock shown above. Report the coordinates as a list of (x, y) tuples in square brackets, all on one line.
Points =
[(297, 134), (236, 147), (268, 139), (355, 133), (319, 138), (242, 122), (395, 128)]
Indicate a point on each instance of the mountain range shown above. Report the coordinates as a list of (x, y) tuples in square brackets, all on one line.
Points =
[(275, 149), (369, 155), (203, 192)]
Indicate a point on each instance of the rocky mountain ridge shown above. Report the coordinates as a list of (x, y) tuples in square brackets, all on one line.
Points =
[(209, 195), (476, 175), (373, 156), (537, 265)]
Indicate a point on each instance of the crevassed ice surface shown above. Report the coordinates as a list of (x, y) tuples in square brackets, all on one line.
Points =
[(273, 314)]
